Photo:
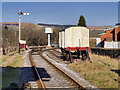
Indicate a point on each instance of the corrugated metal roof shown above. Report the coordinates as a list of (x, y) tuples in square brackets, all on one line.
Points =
[(102, 34), (111, 28)]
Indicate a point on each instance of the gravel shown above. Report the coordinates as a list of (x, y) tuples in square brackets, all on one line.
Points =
[(51, 78), (27, 73), (73, 74)]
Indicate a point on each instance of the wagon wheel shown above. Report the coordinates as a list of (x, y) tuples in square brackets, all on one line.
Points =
[(84, 57)]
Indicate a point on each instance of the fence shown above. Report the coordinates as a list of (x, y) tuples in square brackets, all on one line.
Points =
[(8, 50), (111, 44), (113, 53)]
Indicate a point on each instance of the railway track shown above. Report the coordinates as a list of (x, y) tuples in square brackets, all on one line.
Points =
[(57, 56), (49, 75), (40, 84), (54, 53), (57, 51)]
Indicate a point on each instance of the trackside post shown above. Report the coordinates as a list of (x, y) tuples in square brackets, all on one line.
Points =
[(88, 55)]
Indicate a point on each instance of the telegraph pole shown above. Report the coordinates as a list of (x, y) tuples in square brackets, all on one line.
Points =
[(19, 28)]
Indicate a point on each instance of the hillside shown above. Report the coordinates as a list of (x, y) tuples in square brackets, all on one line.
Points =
[(41, 25), (99, 27), (90, 27), (35, 35)]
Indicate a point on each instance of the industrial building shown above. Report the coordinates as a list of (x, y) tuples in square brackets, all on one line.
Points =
[(110, 35)]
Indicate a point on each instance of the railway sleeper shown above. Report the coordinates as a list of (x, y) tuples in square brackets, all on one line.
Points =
[(35, 71), (73, 81)]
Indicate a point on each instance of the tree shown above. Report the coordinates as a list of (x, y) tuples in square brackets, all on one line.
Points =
[(82, 21), (6, 27)]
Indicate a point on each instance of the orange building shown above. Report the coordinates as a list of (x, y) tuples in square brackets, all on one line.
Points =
[(111, 34)]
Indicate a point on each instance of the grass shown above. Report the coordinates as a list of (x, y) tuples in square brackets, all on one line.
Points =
[(4, 58), (17, 61), (101, 73), (12, 72)]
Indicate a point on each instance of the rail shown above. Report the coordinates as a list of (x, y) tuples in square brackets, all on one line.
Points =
[(36, 73), (68, 76)]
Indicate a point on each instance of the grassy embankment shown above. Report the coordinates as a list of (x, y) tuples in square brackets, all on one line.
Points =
[(102, 73), (11, 69)]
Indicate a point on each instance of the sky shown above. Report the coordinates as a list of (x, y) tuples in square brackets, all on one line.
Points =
[(64, 13), (60, 0)]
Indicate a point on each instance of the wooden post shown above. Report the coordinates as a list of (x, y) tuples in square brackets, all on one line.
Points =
[(88, 55), (64, 54), (78, 53), (80, 47), (70, 55)]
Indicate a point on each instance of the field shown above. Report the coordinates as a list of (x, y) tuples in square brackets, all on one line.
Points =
[(102, 73)]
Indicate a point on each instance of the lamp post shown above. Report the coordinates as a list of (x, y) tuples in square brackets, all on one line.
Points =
[(20, 13)]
